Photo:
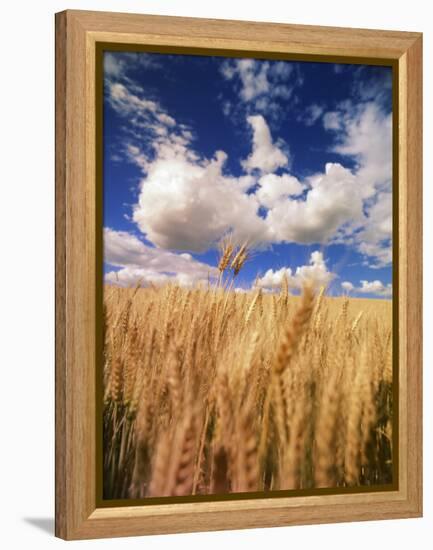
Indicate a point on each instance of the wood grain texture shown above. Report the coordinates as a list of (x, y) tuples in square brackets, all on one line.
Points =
[(248, 35), (60, 393), (412, 292), (76, 36), (75, 286)]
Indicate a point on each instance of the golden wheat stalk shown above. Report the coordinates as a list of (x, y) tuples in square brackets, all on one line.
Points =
[(211, 391)]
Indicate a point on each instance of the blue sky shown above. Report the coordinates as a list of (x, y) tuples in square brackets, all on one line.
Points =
[(293, 157)]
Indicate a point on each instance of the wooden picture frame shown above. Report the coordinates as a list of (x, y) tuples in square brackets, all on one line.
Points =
[(78, 259)]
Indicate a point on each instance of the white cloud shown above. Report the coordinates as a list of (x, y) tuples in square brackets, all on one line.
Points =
[(369, 287), (347, 286), (380, 218), (365, 134), (253, 76), (135, 155), (259, 77), (373, 83), (334, 200), (139, 261), (311, 114), (272, 280), (126, 103), (261, 84), (377, 255), (281, 69), (116, 64), (315, 273), (149, 125), (332, 120), (188, 204), (150, 128), (113, 65), (368, 138), (166, 119), (130, 277), (375, 240), (273, 189), (375, 287), (266, 156)]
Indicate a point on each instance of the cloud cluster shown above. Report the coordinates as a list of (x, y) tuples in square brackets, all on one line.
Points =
[(376, 288), (367, 137), (273, 189), (315, 273), (149, 265), (188, 202), (151, 131), (261, 85), (333, 200), (189, 205), (364, 133)]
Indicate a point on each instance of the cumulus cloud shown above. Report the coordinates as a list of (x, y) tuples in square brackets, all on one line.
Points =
[(375, 240), (273, 280), (347, 286), (131, 276), (273, 189), (369, 287), (375, 287), (265, 156), (188, 202), (364, 133), (367, 137), (140, 262), (188, 205), (315, 273), (334, 200)]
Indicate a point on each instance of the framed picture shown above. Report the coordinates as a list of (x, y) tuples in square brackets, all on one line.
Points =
[(238, 274)]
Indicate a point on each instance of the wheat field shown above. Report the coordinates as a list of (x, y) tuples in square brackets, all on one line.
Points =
[(211, 391)]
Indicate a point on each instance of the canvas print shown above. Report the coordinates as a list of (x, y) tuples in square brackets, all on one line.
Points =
[(247, 268)]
